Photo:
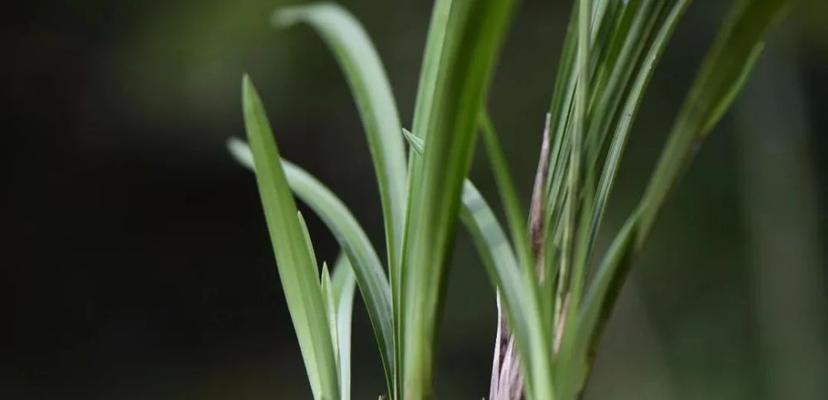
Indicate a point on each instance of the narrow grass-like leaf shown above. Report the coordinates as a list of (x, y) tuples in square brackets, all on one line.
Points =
[(474, 32), (606, 21), (508, 193), (417, 143), (306, 236), (570, 272), (628, 42), (328, 299), (355, 243), (517, 292), (432, 56), (517, 289), (369, 84), (343, 284), (629, 111), (573, 365), (721, 76), (297, 270)]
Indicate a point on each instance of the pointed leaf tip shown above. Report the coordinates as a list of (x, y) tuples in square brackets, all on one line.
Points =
[(247, 85)]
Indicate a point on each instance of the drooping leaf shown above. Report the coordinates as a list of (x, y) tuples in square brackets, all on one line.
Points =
[(369, 84)]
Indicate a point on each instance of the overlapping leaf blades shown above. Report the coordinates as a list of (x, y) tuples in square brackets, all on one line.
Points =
[(355, 244), (609, 56), (297, 265), (472, 37)]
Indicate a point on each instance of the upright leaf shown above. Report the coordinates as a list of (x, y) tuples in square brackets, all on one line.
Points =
[(432, 56), (508, 193), (517, 290), (720, 78), (515, 286), (297, 269), (355, 243), (342, 285), (473, 36), (632, 101)]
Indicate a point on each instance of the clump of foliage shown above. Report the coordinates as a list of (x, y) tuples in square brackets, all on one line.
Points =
[(554, 290)]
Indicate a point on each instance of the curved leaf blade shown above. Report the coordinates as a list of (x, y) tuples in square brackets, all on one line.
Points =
[(369, 85)]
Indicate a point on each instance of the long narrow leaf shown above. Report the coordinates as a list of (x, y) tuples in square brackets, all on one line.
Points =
[(629, 111), (517, 292), (473, 36), (355, 243), (372, 92), (297, 270), (330, 307), (432, 56), (508, 193), (722, 75), (516, 288), (342, 285), (720, 78)]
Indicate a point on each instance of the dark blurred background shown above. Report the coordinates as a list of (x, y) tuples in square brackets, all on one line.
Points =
[(135, 260)]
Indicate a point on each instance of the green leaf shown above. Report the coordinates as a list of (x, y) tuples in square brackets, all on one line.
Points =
[(355, 243), (569, 265), (516, 288), (627, 43), (297, 269), (306, 236), (343, 285), (432, 56), (328, 299), (369, 84), (609, 20), (573, 363), (508, 193), (722, 74), (630, 110), (474, 31), (417, 143)]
